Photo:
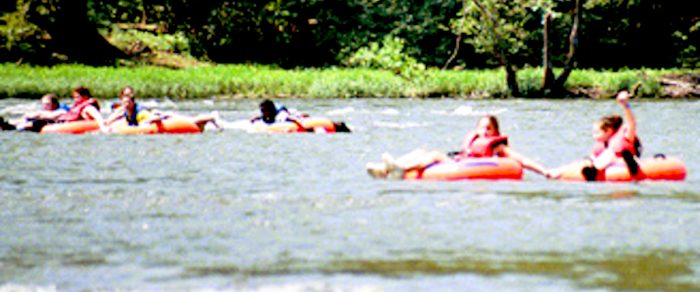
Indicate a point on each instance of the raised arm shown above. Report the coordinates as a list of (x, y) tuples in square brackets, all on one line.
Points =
[(623, 99)]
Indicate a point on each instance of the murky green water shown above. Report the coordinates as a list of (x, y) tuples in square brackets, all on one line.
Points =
[(233, 210)]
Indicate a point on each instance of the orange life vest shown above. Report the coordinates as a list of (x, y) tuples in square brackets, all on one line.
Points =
[(75, 112), (618, 143), (478, 146)]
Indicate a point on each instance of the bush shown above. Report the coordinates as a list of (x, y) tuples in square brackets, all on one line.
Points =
[(389, 56), (134, 41)]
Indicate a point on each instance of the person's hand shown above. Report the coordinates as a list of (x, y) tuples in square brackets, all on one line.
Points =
[(552, 174), (623, 98), (106, 130), (549, 174)]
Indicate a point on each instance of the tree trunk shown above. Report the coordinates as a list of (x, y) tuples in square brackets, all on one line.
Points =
[(511, 80), (501, 54), (74, 35), (459, 38), (573, 44), (548, 77)]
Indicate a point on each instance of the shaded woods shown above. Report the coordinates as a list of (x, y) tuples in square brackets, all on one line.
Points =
[(398, 35)]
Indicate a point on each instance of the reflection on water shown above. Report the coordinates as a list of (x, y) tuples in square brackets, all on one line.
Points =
[(651, 271), (233, 210)]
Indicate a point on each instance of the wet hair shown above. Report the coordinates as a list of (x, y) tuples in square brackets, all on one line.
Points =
[(53, 98), (610, 122), (83, 91), (493, 121), (267, 104)]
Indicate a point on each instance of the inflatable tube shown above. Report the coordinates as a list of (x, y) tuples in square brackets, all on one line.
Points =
[(470, 168), (77, 127), (659, 168), (316, 125), (167, 126)]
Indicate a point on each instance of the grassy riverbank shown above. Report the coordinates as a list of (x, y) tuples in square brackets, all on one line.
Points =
[(253, 81)]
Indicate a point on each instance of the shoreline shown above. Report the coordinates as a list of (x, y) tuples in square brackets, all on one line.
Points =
[(257, 81)]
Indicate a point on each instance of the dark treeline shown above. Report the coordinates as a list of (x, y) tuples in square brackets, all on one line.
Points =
[(312, 33)]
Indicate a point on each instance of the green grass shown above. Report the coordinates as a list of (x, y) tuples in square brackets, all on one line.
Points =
[(255, 81)]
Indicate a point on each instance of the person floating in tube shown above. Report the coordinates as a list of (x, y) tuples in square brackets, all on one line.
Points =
[(485, 141), (136, 115), (84, 107), (615, 138), (270, 114), (51, 109)]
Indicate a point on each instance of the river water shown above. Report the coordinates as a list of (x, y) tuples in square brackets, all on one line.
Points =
[(241, 211)]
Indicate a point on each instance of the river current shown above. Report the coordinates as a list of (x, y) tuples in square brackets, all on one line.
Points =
[(242, 211)]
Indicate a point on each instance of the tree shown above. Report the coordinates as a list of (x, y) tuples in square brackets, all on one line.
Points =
[(503, 28), (552, 85), (72, 33), (497, 27)]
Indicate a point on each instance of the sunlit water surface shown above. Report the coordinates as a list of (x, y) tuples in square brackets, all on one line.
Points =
[(235, 210)]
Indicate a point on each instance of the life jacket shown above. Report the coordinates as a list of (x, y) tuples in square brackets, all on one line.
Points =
[(483, 146), (619, 143), (75, 112), (281, 115), (133, 120)]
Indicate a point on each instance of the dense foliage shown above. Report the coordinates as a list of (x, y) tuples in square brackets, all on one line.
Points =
[(613, 33)]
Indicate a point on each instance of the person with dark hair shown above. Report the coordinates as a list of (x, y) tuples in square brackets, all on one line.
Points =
[(614, 139), (136, 115), (270, 114), (84, 108), (485, 141)]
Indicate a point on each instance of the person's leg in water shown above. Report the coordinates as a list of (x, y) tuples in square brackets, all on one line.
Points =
[(376, 170), (5, 126), (203, 119), (396, 168), (34, 125), (417, 159), (391, 167)]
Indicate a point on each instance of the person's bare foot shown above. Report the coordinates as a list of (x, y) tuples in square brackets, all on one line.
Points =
[(376, 170)]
